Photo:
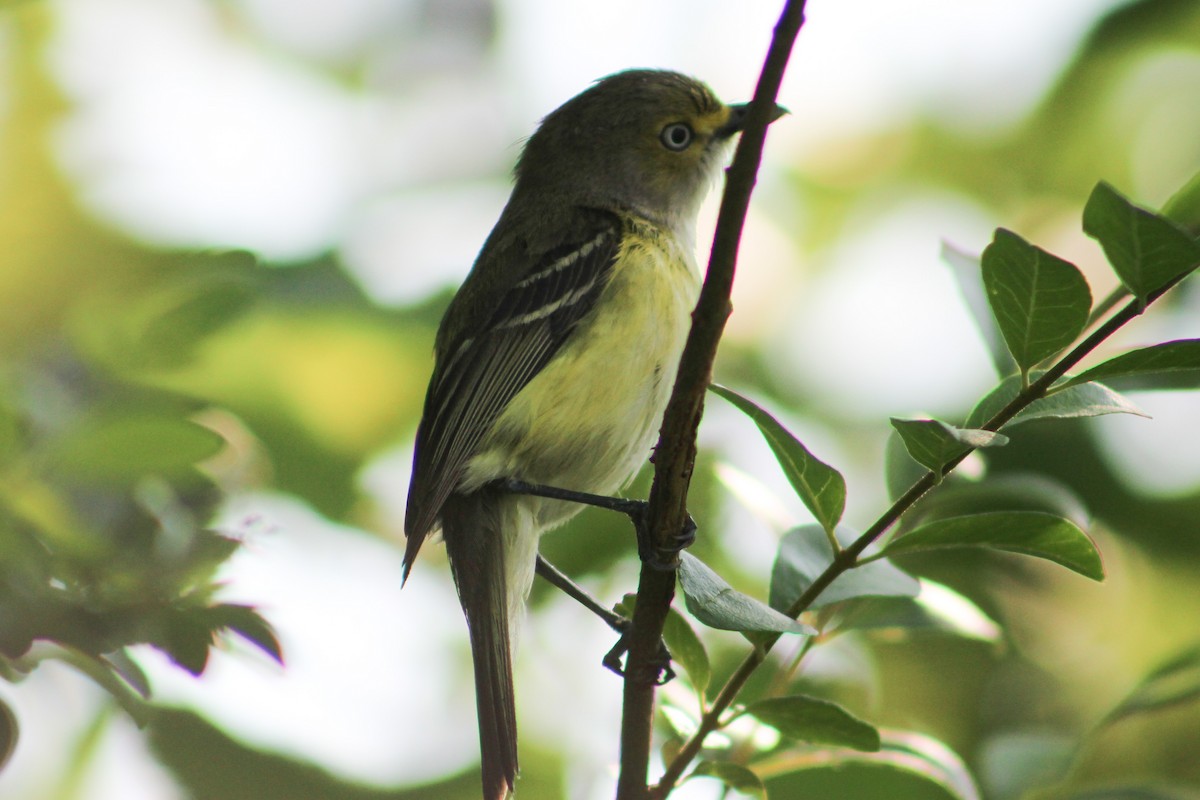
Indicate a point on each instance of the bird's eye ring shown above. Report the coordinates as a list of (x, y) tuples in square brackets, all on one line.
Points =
[(676, 136)]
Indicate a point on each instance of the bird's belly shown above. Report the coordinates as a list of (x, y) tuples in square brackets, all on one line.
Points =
[(588, 420)]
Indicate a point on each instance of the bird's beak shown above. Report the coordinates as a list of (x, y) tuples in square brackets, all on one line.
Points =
[(737, 119)]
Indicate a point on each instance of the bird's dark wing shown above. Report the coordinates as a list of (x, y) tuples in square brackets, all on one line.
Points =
[(489, 361)]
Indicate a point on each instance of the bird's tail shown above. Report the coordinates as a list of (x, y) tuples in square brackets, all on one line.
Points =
[(475, 545)]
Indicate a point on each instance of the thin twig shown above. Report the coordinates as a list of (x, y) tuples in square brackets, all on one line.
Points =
[(675, 454)]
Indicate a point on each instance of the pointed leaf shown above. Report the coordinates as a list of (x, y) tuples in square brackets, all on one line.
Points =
[(247, 623), (1085, 400), (1015, 764), (937, 609), (966, 270), (129, 670), (687, 650), (804, 553), (1184, 206), (1175, 682), (1178, 356), (127, 445), (1040, 302), (735, 776), (185, 639), (902, 753), (9, 733), (811, 719), (1146, 250), (718, 605), (820, 486), (933, 444), (1027, 532), (900, 471)]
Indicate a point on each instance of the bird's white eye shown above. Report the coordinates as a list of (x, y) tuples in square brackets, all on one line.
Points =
[(676, 136)]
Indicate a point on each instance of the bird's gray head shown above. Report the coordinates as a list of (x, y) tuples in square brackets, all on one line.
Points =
[(648, 140)]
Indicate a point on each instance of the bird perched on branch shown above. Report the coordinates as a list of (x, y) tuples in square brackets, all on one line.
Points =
[(555, 360)]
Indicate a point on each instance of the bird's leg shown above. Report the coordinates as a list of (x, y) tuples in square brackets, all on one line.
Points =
[(659, 558), (619, 623), (557, 578), (665, 558)]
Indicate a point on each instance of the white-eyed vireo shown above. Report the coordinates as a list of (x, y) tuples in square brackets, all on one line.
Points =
[(556, 358)]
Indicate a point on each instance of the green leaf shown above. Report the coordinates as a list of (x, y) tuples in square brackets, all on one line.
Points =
[(903, 756), (1040, 302), (1146, 251), (1009, 491), (9, 733), (718, 605), (185, 638), (1015, 764), (820, 486), (1027, 532), (1180, 355), (687, 650), (804, 553), (735, 776), (811, 719), (1143, 791), (1086, 400), (1173, 683), (966, 270), (186, 311), (933, 444), (247, 623), (937, 609), (124, 446), (129, 670), (1184, 206)]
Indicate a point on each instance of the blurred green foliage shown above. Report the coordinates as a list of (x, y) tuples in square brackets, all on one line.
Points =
[(124, 367)]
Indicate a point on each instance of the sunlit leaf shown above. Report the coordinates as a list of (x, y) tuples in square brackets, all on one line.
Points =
[(1040, 301), (933, 444), (1178, 356), (821, 487), (937, 609), (1173, 683), (1012, 764), (718, 605), (1026, 532), (1007, 491), (902, 757), (1146, 250), (1184, 206), (804, 553), (687, 650), (811, 719), (1086, 400), (735, 776)]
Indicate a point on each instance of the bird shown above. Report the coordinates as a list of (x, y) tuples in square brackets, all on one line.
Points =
[(555, 359)]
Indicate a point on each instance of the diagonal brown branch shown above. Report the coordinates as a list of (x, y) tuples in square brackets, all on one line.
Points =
[(675, 453)]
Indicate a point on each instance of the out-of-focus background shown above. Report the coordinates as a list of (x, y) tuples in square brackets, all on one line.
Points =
[(262, 206)]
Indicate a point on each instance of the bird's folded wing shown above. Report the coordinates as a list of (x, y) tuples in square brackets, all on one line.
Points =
[(489, 363)]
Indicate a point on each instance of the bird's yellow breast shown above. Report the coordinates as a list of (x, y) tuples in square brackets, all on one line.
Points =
[(588, 420)]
